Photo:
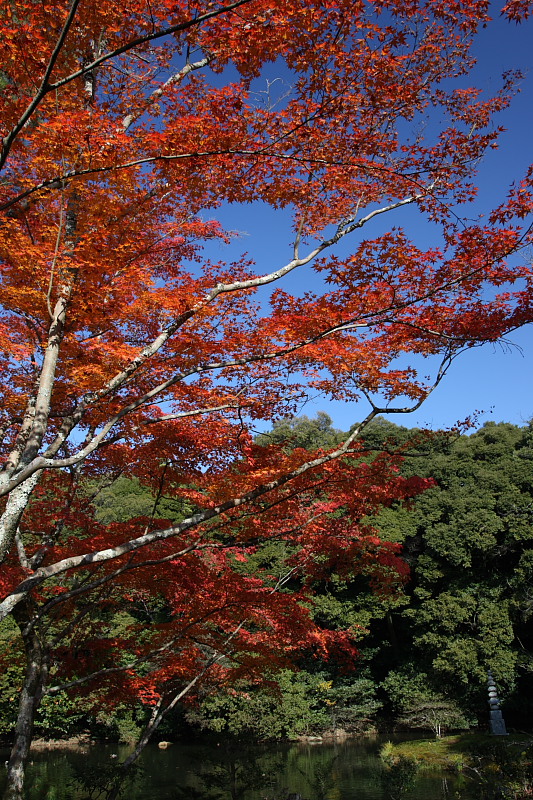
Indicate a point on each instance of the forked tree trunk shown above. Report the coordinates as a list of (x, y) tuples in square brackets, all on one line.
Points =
[(29, 702)]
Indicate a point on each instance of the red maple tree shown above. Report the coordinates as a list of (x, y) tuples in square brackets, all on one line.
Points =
[(126, 348)]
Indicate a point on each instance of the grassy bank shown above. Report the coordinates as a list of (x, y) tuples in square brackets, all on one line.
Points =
[(456, 752)]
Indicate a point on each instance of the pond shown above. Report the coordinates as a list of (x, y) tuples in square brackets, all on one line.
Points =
[(345, 771)]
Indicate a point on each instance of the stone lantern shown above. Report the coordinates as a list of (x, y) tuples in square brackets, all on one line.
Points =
[(497, 723)]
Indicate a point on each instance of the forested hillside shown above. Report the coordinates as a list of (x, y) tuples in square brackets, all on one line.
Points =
[(459, 602), (467, 606)]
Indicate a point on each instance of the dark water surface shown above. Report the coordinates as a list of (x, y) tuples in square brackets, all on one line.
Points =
[(345, 771)]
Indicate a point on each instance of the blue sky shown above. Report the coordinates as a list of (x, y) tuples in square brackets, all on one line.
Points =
[(495, 380)]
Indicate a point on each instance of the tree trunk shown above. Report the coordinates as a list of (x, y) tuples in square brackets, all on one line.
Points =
[(29, 702)]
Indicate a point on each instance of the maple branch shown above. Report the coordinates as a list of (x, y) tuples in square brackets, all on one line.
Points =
[(343, 229), (54, 262), (47, 87), (129, 119), (101, 556), (444, 366), (118, 381), (45, 461), (23, 558), (268, 506), (63, 687), (56, 330), (429, 331), (160, 711), (42, 462), (55, 182), (298, 238), (149, 37), (88, 585), (196, 412), (43, 90), (148, 656)]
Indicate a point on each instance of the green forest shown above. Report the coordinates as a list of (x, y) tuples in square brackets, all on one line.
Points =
[(426, 639)]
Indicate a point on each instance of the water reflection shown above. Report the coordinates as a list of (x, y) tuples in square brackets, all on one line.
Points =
[(344, 771)]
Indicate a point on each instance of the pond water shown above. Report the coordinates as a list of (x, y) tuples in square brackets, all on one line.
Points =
[(345, 771)]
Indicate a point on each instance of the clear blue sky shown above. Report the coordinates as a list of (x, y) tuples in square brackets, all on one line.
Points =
[(496, 380)]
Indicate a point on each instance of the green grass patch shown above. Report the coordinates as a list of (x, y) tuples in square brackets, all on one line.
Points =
[(456, 752)]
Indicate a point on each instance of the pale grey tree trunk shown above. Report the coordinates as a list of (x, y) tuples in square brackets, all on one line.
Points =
[(30, 696)]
